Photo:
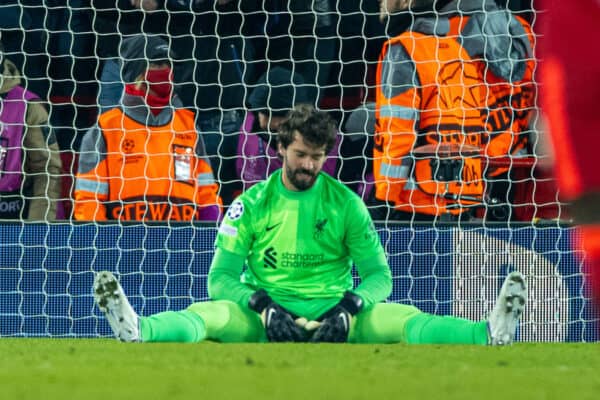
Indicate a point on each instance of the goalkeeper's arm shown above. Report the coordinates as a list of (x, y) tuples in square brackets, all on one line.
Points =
[(224, 278), (375, 279)]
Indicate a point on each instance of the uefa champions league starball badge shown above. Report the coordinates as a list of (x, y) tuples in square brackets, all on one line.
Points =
[(235, 210)]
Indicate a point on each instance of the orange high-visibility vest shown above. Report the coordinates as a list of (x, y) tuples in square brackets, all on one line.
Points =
[(510, 104), (149, 173), (447, 106)]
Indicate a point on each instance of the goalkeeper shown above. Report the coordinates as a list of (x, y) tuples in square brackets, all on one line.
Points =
[(293, 240)]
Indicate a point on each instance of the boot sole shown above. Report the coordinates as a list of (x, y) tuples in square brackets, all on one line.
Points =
[(515, 294), (106, 288)]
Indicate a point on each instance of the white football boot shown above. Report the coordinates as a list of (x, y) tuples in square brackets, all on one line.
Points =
[(112, 301), (503, 321)]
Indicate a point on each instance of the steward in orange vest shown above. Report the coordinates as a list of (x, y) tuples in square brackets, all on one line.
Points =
[(502, 45), (144, 161), (428, 93)]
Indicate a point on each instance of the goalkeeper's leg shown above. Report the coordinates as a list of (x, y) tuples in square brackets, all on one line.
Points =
[(393, 323), (222, 321), (399, 323)]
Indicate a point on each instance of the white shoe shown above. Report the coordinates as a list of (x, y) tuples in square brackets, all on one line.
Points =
[(111, 300), (503, 321)]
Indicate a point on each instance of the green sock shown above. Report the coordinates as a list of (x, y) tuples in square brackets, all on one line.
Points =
[(170, 326), (427, 328)]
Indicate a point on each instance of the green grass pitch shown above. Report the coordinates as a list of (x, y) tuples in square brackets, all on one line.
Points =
[(88, 369)]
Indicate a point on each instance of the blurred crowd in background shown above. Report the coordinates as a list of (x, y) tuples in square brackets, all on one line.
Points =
[(239, 66)]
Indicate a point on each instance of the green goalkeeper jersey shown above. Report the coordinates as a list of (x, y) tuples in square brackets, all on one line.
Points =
[(301, 245)]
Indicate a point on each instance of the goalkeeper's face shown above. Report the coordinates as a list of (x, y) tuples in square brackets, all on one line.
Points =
[(302, 162)]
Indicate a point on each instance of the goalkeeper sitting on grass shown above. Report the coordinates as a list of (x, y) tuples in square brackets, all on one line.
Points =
[(297, 234)]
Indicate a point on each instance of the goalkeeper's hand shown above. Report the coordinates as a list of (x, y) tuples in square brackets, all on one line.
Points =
[(335, 323), (278, 322)]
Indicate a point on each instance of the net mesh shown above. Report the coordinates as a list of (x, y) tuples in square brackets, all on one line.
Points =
[(70, 55)]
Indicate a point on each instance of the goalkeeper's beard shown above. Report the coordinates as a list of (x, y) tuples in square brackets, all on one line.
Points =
[(297, 179)]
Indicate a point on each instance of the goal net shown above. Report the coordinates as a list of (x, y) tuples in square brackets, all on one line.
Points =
[(235, 63)]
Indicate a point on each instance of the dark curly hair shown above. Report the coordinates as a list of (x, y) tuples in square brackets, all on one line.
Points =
[(315, 127)]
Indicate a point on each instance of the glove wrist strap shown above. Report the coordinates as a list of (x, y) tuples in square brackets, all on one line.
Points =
[(259, 300), (353, 303)]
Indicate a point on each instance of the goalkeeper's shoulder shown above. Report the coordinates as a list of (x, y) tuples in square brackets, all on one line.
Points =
[(335, 185), (340, 193), (256, 196)]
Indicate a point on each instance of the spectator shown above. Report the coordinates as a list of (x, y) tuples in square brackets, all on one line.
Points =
[(115, 20), (21, 25), (67, 24), (360, 38), (356, 149), (300, 35), (276, 93), (30, 164), (217, 64), (428, 93), (145, 160)]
